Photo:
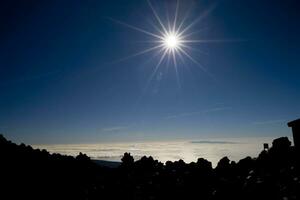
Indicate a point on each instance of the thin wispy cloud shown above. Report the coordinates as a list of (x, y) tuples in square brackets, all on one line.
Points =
[(277, 121), (115, 128), (183, 115), (213, 142), (216, 109)]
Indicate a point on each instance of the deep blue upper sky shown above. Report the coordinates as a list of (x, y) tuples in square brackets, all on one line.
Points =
[(62, 81)]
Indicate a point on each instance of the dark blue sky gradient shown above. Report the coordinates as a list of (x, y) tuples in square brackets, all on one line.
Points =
[(61, 80)]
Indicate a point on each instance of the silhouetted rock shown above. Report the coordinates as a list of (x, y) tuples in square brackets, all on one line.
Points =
[(36, 174), (281, 144), (204, 165), (296, 133)]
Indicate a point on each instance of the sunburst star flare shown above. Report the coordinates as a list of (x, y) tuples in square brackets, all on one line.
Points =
[(171, 39)]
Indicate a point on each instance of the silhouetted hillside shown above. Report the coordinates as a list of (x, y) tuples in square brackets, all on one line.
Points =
[(28, 173)]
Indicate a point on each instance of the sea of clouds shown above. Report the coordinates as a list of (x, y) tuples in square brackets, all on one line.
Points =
[(212, 150)]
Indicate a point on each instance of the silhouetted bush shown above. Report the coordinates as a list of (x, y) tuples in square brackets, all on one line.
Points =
[(127, 160), (29, 173)]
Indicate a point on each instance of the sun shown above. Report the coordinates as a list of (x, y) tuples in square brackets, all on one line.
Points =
[(171, 41)]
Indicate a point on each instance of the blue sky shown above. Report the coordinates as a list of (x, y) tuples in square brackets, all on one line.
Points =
[(63, 80)]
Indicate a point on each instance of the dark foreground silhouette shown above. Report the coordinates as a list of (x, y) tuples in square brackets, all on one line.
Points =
[(28, 173)]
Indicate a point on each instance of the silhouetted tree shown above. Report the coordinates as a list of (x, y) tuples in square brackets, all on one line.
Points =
[(82, 157), (127, 160)]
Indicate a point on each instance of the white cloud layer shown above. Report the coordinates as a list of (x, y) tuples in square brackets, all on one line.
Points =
[(189, 151)]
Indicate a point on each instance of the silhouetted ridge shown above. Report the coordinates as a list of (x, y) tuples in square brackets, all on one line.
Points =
[(29, 173)]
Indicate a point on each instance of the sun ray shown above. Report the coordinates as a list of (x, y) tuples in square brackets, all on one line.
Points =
[(187, 35), (157, 17), (180, 56), (157, 28), (192, 59), (156, 68), (194, 49), (168, 61), (213, 41), (137, 28), (168, 19), (175, 67), (183, 61), (140, 53), (181, 24), (197, 20), (197, 63), (175, 17)]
